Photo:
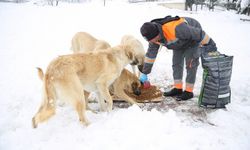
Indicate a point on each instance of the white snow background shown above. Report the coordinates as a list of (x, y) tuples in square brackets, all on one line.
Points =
[(32, 35)]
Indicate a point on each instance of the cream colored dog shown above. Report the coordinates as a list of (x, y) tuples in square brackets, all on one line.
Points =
[(68, 76), (126, 81), (84, 42), (137, 45)]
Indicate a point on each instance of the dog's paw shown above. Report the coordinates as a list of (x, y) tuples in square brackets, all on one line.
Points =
[(85, 123)]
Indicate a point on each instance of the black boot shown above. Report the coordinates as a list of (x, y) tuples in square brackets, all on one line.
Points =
[(173, 92), (185, 96)]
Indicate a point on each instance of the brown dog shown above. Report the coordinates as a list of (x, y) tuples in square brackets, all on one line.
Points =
[(68, 76), (126, 81), (84, 42)]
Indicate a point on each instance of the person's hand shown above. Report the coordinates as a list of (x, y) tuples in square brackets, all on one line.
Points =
[(146, 84), (143, 78), (209, 47)]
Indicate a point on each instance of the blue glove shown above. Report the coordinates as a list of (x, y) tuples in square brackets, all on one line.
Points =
[(143, 78)]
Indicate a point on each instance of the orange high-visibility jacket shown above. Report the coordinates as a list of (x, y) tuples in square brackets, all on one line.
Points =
[(178, 34)]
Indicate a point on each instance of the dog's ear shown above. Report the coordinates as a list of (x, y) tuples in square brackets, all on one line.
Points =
[(129, 52), (129, 55)]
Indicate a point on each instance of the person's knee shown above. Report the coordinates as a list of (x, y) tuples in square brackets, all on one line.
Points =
[(192, 64)]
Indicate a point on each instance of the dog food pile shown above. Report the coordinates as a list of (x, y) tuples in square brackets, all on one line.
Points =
[(147, 95)]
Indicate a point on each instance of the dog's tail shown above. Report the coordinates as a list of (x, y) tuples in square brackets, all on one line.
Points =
[(47, 108), (49, 91), (48, 87), (40, 73)]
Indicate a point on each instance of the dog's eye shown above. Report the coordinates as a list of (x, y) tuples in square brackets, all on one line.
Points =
[(136, 85)]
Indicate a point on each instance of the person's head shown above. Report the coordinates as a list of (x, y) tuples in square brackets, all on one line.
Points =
[(150, 32)]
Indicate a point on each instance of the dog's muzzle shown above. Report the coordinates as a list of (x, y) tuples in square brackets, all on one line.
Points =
[(140, 67), (134, 62), (137, 92)]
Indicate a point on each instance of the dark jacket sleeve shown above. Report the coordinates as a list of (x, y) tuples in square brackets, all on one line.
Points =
[(192, 30), (188, 32), (150, 57)]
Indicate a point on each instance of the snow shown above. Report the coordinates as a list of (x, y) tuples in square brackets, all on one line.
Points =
[(33, 35)]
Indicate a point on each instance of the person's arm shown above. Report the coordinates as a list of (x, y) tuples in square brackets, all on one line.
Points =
[(185, 31), (148, 63), (150, 58)]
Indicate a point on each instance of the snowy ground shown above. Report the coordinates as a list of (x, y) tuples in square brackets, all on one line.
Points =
[(32, 35)]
